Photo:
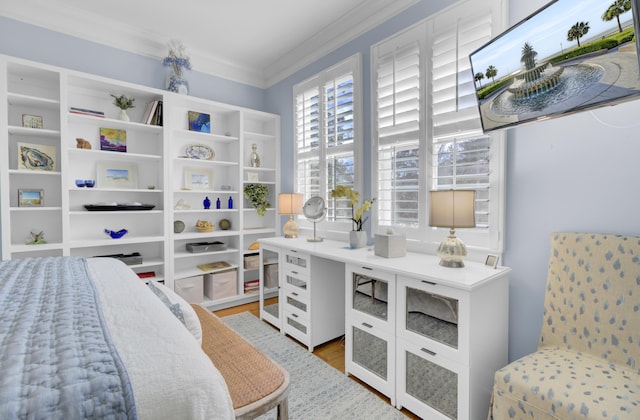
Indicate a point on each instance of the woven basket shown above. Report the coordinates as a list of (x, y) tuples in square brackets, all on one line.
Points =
[(204, 229)]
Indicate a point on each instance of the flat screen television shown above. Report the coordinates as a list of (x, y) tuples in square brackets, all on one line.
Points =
[(568, 56)]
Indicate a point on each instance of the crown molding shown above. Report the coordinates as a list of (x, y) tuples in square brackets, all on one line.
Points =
[(366, 16), (357, 22)]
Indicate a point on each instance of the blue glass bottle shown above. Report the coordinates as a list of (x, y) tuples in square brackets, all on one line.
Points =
[(230, 202), (218, 203), (206, 203)]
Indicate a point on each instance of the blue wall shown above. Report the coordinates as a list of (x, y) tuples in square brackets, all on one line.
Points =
[(34, 43), (576, 173)]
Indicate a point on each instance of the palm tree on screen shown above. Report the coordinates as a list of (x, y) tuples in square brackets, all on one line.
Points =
[(577, 31), (528, 56), (478, 78), (615, 10), (491, 72)]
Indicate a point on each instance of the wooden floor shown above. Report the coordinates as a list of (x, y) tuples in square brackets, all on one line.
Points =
[(331, 352)]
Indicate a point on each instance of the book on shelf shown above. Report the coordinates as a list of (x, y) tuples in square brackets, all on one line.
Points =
[(214, 266), (148, 112), (85, 111), (155, 114)]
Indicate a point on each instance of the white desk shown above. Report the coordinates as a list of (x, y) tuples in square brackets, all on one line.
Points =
[(386, 347)]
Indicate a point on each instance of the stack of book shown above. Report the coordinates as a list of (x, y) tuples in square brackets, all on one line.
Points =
[(251, 286), (84, 111), (153, 113)]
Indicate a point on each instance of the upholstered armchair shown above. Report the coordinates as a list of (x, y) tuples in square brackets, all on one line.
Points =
[(587, 365)]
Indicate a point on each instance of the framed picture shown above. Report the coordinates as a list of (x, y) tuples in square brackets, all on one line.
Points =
[(36, 157), (492, 261), (112, 139), (199, 122), (253, 177), (198, 179), (30, 198), (117, 175), (31, 121)]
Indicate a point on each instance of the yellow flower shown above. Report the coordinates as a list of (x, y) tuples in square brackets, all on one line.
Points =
[(342, 191)]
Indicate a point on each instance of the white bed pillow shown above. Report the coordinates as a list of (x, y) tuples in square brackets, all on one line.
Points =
[(191, 320)]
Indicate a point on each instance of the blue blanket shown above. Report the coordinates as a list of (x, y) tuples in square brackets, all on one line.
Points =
[(57, 360)]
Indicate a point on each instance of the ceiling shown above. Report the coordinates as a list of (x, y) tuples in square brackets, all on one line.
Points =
[(257, 42)]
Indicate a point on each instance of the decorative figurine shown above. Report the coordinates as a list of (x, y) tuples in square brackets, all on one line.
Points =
[(36, 237), (116, 235), (82, 143), (254, 158), (206, 203)]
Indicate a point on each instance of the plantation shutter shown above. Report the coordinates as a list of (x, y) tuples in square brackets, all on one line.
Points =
[(326, 136), (399, 128), (461, 154)]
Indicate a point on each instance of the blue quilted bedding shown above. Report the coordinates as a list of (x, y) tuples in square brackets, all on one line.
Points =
[(57, 360)]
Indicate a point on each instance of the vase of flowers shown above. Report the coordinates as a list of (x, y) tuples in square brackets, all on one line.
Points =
[(178, 62), (357, 236), (123, 103)]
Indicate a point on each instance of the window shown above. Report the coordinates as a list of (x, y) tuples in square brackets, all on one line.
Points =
[(427, 129), (328, 139)]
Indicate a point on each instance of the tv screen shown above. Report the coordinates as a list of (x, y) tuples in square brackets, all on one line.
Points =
[(570, 55)]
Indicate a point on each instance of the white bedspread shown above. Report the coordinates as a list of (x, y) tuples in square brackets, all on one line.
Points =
[(171, 377)]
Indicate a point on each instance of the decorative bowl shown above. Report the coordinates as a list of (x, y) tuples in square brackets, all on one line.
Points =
[(89, 183), (80, 183)]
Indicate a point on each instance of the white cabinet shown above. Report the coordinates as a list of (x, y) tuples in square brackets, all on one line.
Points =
[(371, 327), (310, 296), (156, 174), (428, 337)]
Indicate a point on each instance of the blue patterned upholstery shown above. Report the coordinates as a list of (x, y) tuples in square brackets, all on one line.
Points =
[(588, 361)]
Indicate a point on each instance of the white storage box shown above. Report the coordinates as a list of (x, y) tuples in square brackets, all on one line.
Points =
[(221, 284), (390, 245), (191, 289)]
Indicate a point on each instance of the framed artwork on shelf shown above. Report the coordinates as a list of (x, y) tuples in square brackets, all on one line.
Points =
[(199, 122), (36, 157), (117, 175), (31, 121), (198, 179), (30, 197), (253, 176), (113, 140)]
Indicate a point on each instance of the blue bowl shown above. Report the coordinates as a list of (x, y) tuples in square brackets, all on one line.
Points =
[(116, 235), (89, 183), (80, 183)]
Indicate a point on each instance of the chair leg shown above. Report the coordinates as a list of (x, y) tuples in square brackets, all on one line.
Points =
[(283, 410)]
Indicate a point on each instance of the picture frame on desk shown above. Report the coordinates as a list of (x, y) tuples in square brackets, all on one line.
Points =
[(492, 261), (30, 197), (117, 175), (198, 178)]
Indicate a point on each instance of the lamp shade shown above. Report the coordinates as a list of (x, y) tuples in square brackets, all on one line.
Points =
[(452, 208), (290, 203)]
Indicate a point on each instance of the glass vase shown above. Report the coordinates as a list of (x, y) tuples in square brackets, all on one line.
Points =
[(177, 83)]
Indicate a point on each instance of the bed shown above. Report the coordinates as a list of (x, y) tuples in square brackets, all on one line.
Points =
[(157, 367)]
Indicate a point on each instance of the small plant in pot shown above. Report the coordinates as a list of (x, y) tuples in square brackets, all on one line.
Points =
[(123, 103), (257, 194)]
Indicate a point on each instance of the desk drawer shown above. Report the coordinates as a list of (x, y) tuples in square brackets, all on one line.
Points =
[(297, 262), (296, 326), (296, 304), (296, 282)]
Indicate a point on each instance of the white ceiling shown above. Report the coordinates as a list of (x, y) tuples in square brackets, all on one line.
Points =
[(257, 42)]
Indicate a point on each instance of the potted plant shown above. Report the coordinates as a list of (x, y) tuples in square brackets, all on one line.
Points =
[(123, 103), (257, 195), (357, 237)]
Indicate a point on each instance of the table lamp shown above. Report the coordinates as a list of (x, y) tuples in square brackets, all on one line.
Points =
[(290, 203), (452, 209)]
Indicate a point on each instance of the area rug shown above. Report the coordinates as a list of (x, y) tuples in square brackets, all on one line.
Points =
[(317, 390)]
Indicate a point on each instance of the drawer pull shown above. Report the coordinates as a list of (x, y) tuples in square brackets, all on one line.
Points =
[(296, 273), (429, 282), (429, 352), (295, 316), (294, 294), (367, 268), (364, 324)]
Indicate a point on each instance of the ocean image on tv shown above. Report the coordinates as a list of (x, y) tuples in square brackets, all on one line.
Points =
[(571, 55)]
